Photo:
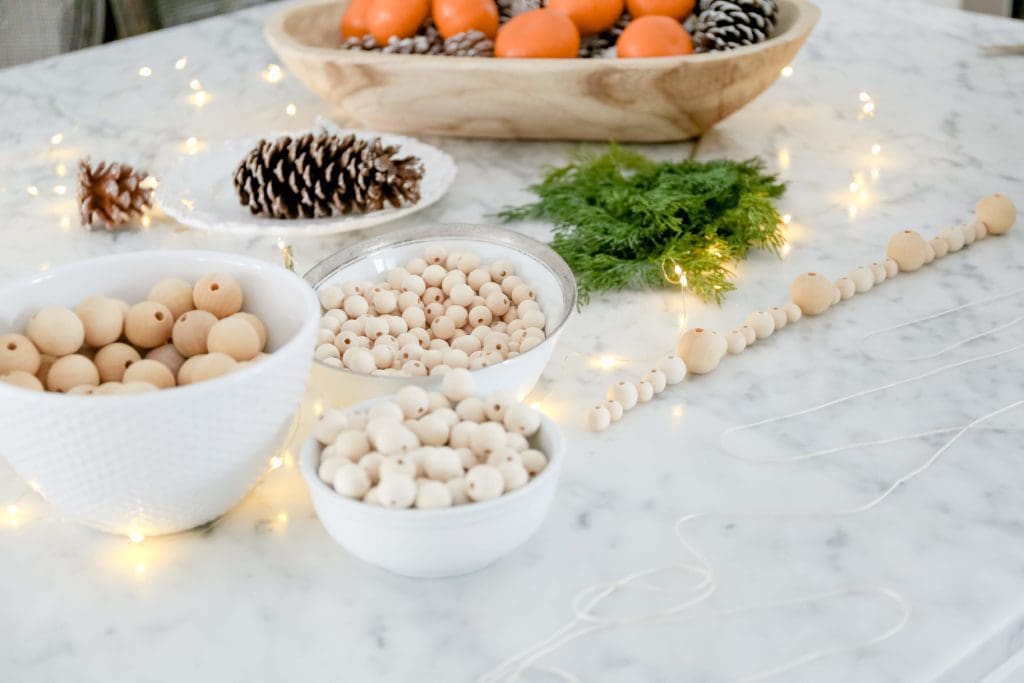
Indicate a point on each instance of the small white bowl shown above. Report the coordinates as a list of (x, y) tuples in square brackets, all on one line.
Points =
[(443, 542), (168, 460), (538, 265)]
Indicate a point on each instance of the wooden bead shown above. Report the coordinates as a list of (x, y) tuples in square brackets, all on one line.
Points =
[(137, 388), (939, 246), (257, 324), (175, 294), (702, 350), (624, 393), (761, 322), (458, 385), (166, 354), (673, 368), (211, 366), (56, 331), (148, 325), (615, 410), (892, 268), (398, 491), (17, 352), (793, 313), (980, 231), (20, 378), (644, 391), (105, 389), (878, 272), (72, 371), (997, 212), (102, 320), (863, 279), (218, 294), (909, 250), (968, 230), (191, 331), (846, 287), (813, 293), (330, 297), (484, 482), (46, 361), (151, 371), (779, 317), (234, 337), (113, 359), (751, 334), (954, 239), (656, 378), (735, 342)]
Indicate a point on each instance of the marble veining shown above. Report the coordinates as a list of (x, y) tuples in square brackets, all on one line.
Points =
[(263, 594)]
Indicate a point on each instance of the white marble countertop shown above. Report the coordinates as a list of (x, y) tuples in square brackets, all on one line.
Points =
[(264, 595)]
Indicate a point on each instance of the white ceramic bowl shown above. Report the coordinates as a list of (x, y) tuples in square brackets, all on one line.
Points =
[(444, 542), (538, 265), (168, 460)]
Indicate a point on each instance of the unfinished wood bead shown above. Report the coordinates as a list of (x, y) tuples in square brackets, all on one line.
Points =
[(846, 287), (20, 378), (954, 239), (175, 294), (702, 350), (615, 410), (56, 331), (17, 352), (968, 230), (397, 491), (813, 293), (793, 313), (458, 384), (102, 320), (673, 368), (219, 294), (113, 359), (891, 268), (148, 324), (234, 337), (150, 371), (761, 322), (779, 316), (750, 334), (863, 279), (656, 378), (191, 331), (878, 272), (939, 246), (72, 371), (256, 324), (211, 366), (909, 250), (735, 342), (997, 212), (431, 495), (484, 482), (624, 393), (521, 419), (980, 231)]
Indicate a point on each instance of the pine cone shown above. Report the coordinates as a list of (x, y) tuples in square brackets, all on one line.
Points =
[(469, 44), (324, 175), (111, 195), (726, 24), (367, 42), (598, 44), (510, 8), (427, 42)]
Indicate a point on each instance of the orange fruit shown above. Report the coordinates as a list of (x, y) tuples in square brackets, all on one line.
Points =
[(353, 21), (677, 9), (590, 16), (395, 18), (456, 16), (538, 33), (654, 36)]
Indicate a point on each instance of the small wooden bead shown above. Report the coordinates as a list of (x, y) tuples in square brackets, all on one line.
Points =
[(761, 322), (468, 262), (458, 384), (878, 272), (17, 352), (210, 366), (954, 239), (105, 389), (779, 316), (673, 367), (735, 342), (793, 313), (431, 495), (256, 324), (102, 319), (330, 297), (980, 231), (625, 393), (514, 475), (234, 337), (397, 491), (219, 294), (478, 277), (148, 324), (644, 391), (72, 371), (702, 350), (909, 250), (150, 371), (997, 212), (486, 438), (863, 279), (615, 411), (656, 378), (113, 359), (522, 293), (480, 316), (484, 482), (351, 480), (56, 331), (813, 293), (968, 230), (191, 331), (176, 295), (939, 246), (846, 287), (20, 378), (442, 464), (137, 388), (892, 268), (750, 333), (521, 419), (435, 254)]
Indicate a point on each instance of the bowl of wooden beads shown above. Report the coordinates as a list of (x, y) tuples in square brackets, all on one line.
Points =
[(145, 393), (409, 306), (433, 484)]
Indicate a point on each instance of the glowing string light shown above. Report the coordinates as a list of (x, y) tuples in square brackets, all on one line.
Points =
[(787, 71), (57, 138), (181, 63), (145, 72)]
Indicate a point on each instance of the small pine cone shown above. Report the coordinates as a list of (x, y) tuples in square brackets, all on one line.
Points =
[(427, 42), (367, 42), (597, 45), (469, 44), (727, 24), (510, 8), (320, 175), (111, 195)]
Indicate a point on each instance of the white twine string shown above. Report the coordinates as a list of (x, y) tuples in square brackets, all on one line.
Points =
[(586, 622)]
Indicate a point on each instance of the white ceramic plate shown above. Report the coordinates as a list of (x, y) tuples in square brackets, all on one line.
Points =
[(197, 190)]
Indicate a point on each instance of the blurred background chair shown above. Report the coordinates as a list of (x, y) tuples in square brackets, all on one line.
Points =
[(133, 17), (33, 29)]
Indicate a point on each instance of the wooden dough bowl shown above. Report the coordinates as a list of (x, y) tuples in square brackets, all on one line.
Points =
[(654, 99)]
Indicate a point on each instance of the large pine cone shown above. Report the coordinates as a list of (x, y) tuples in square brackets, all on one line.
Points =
[(320, 175), (726, 24), (111, 194)]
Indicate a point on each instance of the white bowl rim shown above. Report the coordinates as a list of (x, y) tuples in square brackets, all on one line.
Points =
[(312, 448), (807, 16), (543, 254), (305, 330)]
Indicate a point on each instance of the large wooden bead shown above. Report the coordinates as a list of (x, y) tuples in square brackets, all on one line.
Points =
[(18, 353), (102, 319), (235, 337), (151, 371), (56, 331), (909, 250), (113, 359), (813, 293), (191, 331), (148, 324), (762, 323), (219, 294), (20, 378), (997, 212), (169, 356), (210, 366), (702, 350), (174, 294), (72, 371), (257, 324)]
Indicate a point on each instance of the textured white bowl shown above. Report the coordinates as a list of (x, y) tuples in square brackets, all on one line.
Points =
[(169, 460), (438, 543), (539, 266)]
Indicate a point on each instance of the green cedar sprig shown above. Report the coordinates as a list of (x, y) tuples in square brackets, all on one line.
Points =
[(622, 220)]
